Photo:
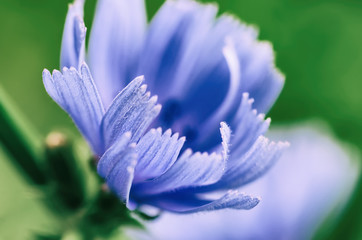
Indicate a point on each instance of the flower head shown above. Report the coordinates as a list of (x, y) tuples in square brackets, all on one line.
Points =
[(199, 66)]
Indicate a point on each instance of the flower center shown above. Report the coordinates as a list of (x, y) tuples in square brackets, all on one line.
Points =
[(173, 115)]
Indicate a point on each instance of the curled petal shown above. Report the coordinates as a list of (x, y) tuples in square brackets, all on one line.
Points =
[(227, 107)]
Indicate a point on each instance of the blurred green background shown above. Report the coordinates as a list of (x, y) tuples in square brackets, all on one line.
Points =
[(318, 47)]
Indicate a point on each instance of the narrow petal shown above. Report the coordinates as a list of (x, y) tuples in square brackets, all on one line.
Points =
[(261, 156), (248, 125), (269, 90), (115, 43), (232, 199), (50, 87), (73, 42), (227, 107), (117, 167), (132, 110), (157, 152), (108, 161), (206, 67), (181, 203), (190, 170), (264, 81), (76, 93), (210, 74)]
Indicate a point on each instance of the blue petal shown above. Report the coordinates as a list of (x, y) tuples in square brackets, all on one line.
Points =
[(182, 203), (264, 81), (115, 43), (107, 162), (232, 199), (190, 170), (117, 167), (244, 169), (171, 46), (229, 104), (73, 42), (268, 91), (247, 126), (157, 152), (132, 110), (199, 70), (76, 93)]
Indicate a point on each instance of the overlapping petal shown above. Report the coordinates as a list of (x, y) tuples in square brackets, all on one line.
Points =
[(133, 109), (157, 153), (190, 170), (115, 44), (117, 167)]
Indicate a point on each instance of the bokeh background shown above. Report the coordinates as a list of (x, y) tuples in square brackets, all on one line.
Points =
[(318, 45)]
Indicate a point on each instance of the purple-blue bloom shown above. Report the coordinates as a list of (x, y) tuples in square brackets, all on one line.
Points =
[(211, 76)]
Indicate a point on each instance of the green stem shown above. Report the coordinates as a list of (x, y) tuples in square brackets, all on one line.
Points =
[(64, 170), (20, 140)]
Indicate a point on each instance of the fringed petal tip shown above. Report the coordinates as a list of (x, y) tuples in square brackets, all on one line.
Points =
[(226, 137), (157, 153), (133, 109), (251, 30), (241, 201), (280, 146), (283, 146), (189, 171), (233, 199), (77, 94)]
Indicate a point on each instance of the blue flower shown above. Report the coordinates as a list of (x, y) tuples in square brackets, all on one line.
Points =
[(199, 66), (313, 179)]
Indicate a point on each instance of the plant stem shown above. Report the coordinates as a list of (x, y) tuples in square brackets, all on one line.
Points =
[(21, 141)]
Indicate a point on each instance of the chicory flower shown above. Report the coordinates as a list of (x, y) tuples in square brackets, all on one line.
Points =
[(207, 73)]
